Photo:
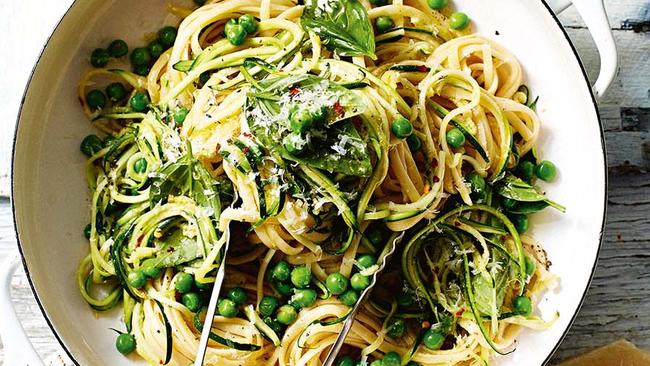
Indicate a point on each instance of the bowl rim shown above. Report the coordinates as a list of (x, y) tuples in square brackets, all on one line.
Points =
[(584, 78)]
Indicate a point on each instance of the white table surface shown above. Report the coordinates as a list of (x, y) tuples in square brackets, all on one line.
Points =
[(618, 303)]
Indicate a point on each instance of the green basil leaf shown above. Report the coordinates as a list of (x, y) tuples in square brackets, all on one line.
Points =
[(490, 290), (342, 25), (518, 190), (342, 151), (186, 177), (177, 249), (487, 293), (173, 178), (526, 208), (336, 144)]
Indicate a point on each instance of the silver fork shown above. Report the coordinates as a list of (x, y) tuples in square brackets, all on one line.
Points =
[(212, 305), (384, 257)]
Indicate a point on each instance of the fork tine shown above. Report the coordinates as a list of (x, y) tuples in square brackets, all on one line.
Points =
[(385, 256)]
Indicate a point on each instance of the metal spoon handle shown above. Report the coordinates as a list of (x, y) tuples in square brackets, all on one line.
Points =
[(212, 306), (347, 324)]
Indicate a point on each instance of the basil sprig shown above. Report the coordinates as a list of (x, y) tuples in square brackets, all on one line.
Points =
[(529, 200), (342, 25)]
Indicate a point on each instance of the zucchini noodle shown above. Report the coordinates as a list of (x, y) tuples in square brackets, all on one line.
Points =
[(305, 135)]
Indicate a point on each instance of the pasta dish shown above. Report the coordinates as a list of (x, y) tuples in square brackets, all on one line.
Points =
[(309, 136)]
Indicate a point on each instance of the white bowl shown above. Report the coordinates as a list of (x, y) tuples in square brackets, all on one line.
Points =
[(50, 197)]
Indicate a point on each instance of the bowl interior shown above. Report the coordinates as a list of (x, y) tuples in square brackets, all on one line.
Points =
[(51, 198)]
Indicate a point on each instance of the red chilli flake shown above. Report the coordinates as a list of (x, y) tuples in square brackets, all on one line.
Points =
[(460, 312), (246, 134), (338, 109), (245, 150), (423, 68), (436, 179), (294, 90)]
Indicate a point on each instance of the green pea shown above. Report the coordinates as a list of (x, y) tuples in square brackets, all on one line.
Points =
[(336, 283), (366, 261), (378, 2), (155, 49), (433, 339), (437, 4), (87, 231), (139, 101), (227, 308), (476, 182), (137, 279), (268, 304), (349, 297), (140, 166), (455, 138), (90, 145), (301, 276), (180, 115), (142, 70), (152, 271), (281, 271), (392, 358), (384, 23), (249, 23), (530, 266), (118, 48), (235, 33), (522, 305), (377, 363), (99, 57), (149, 268), (405, 300), (414, 142), (374, 235), (301, 120), (526, 169), (192, 301), (458, 21), (167, 36), (520, 222), (140, 56), (295, 144), (283, 288), (184, 282), (545, 171), (96, 99), (115, 92), (303, 298), (237, 295), (273, 324), (125, 343), (286, 314), (359, 282), (345, 361), (401, 128), (396, 327)]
